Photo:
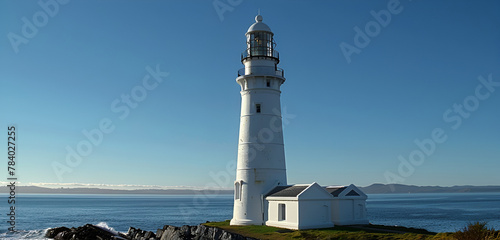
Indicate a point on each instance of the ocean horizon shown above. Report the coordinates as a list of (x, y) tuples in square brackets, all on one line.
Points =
[(35, 213)]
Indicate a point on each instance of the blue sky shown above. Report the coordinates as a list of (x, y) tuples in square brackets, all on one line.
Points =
[(350, 117)]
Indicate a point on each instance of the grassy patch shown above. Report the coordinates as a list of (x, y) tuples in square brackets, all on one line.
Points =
[(367, 232), (477, 230)]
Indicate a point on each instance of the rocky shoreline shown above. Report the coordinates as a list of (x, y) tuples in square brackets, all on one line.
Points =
[(168, 232)]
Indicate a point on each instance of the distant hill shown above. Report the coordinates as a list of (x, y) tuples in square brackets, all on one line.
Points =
[(372, 189), (42, 190), (400, 188)]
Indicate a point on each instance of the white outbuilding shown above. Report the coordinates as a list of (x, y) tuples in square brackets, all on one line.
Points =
[(299, 207), (348, 205), (306, 206)]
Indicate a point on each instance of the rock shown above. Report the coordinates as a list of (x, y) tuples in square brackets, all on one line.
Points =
[(91, 232), (159, 232), (87, 232), (52, 233), (171, 233), (63, 236), (149, 235)]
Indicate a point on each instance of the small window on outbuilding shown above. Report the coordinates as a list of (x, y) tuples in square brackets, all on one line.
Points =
[(281, 212), (257, 108)]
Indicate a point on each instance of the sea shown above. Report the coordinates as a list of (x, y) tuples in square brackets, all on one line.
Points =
[(35, 213)]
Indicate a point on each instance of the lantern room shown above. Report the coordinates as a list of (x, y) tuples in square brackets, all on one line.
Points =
[(260, 42)]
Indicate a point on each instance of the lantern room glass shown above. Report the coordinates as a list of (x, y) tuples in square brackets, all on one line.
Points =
[(260, 44)]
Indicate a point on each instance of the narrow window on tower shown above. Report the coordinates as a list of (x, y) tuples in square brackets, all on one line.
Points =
[(257, 107), (237, 191), (268, 83)]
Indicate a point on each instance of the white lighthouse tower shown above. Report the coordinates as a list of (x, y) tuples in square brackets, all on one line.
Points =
[(261, 155)]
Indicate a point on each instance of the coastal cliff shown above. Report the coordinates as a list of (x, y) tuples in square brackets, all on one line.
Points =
[(223, 231), (166, 233)]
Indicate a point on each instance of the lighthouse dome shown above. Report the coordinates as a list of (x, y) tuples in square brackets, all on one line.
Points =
[(259, 26)]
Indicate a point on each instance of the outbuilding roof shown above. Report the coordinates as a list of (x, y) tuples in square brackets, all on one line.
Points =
[(335, 191), (345, 191), (300, 189), (287, 191)]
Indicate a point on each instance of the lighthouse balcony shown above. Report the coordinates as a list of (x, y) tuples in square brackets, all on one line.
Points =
[(263, 72), (260, 51)]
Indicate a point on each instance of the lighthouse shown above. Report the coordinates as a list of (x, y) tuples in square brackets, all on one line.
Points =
[(261, 155), (261, 193)]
